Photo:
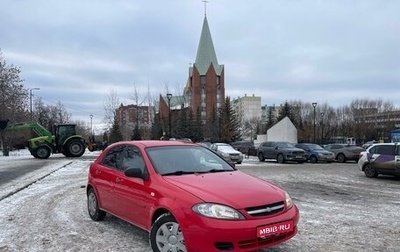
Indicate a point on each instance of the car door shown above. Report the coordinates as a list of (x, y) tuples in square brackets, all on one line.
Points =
[(383, 158), (397, 159), (132, 195), (272, 150), (104, 176), (265, 149)]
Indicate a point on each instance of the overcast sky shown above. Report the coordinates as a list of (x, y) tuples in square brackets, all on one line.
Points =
[(78, 52)]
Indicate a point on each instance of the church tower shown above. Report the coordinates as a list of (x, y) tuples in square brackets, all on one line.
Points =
[(205, 88)]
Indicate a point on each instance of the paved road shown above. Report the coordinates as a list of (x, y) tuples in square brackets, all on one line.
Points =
[(18, 173), (341, 210)]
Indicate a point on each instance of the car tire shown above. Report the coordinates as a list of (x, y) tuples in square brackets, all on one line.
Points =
[(370, 171), (166, 234), (341, 158), (261, 157), (280, 158), (239, 162), (313, 159), (93, 206)]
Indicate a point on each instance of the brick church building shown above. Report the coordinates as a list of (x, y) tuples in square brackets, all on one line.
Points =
[(205, 87)]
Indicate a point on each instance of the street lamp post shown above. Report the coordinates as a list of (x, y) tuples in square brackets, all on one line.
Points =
[(169, 96), (322, 128), (314, 104), (91, 125), (30, 100)]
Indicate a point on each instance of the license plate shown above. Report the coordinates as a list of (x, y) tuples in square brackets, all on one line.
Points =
[(277, 228), (299, 157)]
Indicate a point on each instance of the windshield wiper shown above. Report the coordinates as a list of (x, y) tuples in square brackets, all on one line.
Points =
[(213, 171), (178, 173)]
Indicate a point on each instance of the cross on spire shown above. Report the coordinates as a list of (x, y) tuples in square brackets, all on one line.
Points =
[(205, 7)]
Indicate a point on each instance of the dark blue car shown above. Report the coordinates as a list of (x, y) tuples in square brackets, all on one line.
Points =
[(315, 153)]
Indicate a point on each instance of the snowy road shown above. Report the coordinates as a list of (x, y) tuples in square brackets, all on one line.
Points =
[(341, 210)]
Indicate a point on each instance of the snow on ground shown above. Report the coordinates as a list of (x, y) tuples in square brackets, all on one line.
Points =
[(341, 210)]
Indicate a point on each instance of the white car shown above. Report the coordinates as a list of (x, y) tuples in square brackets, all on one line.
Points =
[(227, 152), (381, 158)]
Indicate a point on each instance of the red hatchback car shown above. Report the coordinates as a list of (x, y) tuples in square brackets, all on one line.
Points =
[(188, 198)]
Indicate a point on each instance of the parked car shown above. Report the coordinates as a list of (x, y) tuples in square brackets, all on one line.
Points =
[(345, 152), (281, 151), (187, 197), (382, 158), (227, 152), (245, 147), (368, 144), (315, 153)]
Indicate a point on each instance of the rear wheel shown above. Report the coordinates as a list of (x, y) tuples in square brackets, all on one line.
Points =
[(75, 148), (280, 159), (93, 206), (261, 157), (370, 171), (341, 158), (43, 152), (166, 235)]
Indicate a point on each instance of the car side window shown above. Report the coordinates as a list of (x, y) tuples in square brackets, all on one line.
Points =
[(397, 152), (132, 158), (112, 158), (384, 149)]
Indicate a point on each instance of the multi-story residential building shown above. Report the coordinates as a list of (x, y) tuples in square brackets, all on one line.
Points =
[(270, 113), (130, 116), (247, 108)]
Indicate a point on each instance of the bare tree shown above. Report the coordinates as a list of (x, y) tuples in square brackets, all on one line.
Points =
[(12, 98), (110, 106)]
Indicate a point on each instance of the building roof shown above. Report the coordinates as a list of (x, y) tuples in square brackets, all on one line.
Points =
[(206, 52)]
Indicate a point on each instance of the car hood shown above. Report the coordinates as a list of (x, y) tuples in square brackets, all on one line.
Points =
[(235, 188), (322, 151), (292, 149)]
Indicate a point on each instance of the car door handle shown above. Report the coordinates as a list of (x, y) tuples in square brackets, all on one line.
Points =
[(98, 172), (118, 180)]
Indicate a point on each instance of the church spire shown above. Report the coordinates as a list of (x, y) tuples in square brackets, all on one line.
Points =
[(206, 52)]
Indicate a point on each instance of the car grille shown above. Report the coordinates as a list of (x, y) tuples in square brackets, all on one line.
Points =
[(265, 209), (234, 156), (298, 152)]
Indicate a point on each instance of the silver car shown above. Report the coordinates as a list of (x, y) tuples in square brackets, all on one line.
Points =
[(227, 152), (345, 152)]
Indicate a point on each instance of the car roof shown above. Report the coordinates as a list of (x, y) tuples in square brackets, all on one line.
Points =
[(155, 143)]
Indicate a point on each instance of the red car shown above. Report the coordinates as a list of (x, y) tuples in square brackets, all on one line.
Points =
[(188, 198)]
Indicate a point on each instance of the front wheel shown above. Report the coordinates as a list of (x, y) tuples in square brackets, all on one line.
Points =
[(280, 159), (313, 159), (370, 171), (166, 235), (341, 158), (43, 152)]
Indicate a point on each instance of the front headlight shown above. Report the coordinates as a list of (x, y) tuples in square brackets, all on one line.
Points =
[(288, 201), (217, 211)]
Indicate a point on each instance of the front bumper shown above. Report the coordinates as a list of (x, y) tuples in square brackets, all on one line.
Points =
[(207, 234)]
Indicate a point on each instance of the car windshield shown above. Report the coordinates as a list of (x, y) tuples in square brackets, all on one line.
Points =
[(226, 148), (315, 147), (180, 160), (285, 145)]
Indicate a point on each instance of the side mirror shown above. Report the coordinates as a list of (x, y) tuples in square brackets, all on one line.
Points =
[(135, 173)]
